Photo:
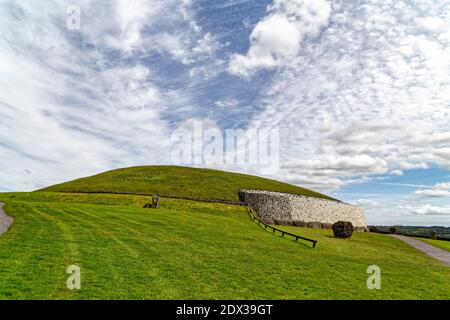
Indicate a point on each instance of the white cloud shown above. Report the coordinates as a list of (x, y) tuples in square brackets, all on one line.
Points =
[(367, 96), (367, 203), (433, 193), (79, 102), (428, 209), (397, 172), (438, 190), (131, 16), (276, 39), (231, 103), (442, 186)]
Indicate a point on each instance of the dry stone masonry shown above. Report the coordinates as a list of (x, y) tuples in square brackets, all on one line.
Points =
[(285, 208)]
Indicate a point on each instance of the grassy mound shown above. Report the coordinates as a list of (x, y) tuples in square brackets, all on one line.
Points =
[(193, 250), (175, 181)]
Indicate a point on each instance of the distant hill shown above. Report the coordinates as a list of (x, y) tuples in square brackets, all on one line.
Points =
[(174, 181)]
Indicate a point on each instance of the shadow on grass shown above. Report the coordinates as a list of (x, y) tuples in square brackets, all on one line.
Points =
[(344, 239)]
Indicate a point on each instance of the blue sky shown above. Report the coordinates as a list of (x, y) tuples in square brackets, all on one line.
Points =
[(359, 91)]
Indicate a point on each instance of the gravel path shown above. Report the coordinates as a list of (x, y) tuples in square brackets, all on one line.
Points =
[(428, 249), (5, 220)]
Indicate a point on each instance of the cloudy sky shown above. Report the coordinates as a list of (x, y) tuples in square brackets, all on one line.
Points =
[(359, 91)]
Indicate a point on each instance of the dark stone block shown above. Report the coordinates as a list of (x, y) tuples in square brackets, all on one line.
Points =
[(314, 225), (282, 222), (327, 225), (343, 229), (299, 223), (278, 222)]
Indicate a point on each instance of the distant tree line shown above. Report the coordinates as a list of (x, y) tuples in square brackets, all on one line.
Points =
[(441, 232)]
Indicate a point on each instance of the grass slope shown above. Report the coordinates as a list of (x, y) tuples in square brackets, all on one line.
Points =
[(193, 250), (176, 181)]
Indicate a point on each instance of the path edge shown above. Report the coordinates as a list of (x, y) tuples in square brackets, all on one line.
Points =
[(5, 220)]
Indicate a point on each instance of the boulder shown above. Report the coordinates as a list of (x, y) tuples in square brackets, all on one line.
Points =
[(343, 229), (314, 225), (155, 202)]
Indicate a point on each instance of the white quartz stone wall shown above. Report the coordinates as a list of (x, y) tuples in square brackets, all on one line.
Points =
[(284, 206)]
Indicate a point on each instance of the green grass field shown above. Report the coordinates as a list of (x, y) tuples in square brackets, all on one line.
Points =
[(437, 243), (193, 250), (175, 181)]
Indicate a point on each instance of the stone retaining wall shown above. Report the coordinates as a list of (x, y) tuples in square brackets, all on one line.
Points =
[(276, 207)]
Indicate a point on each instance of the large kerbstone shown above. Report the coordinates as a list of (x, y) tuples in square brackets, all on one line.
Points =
[(283, 222), (343, 229), (314, 225), (326, 225), (299, 223)]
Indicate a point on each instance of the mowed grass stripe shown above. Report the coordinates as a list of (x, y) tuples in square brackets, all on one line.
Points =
[(115, 236), (107, 254), (116, 227), (41, 251), (66, 251), (14, 257), (98, 265), (175, 239)]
